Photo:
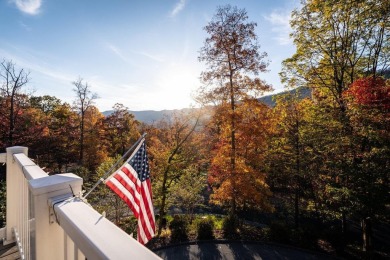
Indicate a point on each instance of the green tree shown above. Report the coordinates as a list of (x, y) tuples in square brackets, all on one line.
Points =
[(47, 104), (188, 191), (105, 200), (369, 110), (287, 155), (231, 53), (337, 42)]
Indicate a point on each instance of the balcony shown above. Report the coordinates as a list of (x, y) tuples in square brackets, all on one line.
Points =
[(47, 217)]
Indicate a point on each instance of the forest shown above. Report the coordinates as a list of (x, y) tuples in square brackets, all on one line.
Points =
[(311, 172)]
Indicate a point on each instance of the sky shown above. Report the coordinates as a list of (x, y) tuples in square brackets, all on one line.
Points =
[(142, 54)]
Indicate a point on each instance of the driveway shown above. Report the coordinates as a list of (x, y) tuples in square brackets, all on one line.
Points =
[(236, 250)]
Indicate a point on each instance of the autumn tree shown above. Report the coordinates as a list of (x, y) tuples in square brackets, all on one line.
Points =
[(287, 156), (252, 132), (231, 54), (63, 129), (368, 101), (120, 130), (337, 42), (84, 100), (174, 150), (11, 84), (95, 150)]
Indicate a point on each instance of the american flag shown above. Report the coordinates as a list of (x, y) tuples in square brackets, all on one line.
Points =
[(131, 183)]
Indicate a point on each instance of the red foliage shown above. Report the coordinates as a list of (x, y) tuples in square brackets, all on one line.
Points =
[(373, 92)]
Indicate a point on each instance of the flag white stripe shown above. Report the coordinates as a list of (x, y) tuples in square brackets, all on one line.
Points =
[(150, 202), (146, 218), (148, 197), (135, 192), (131, 183), (141, 232), (125, 192)]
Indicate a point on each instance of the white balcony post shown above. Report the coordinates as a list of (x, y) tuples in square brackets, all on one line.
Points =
[(49, 236), (12, 190)]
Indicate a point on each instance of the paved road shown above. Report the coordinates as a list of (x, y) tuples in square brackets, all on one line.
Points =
[(236, 250)]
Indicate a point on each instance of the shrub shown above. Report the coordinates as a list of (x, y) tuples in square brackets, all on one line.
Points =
[(178, 227), (230, 225), (205, 228), (128, 224), (279, 232)]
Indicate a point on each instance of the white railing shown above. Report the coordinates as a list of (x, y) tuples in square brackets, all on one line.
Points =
[(49, 220)]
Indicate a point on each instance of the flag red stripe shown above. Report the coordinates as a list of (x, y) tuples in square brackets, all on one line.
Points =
[(133, 178), (134, 191), (146, 196), (133, 186), (146, 220), (115, 189)]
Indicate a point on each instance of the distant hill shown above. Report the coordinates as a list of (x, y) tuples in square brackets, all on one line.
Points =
[(146, 116), (270, 100), (150, 116)]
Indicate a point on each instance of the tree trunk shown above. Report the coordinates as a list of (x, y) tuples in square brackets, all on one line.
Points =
[(367, 236), (296, 211), (163, 201), (343, 223), (82, 138), (11, 122), (233, 144), (298, 167)]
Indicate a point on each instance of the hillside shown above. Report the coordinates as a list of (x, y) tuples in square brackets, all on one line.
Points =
[(150, 116)]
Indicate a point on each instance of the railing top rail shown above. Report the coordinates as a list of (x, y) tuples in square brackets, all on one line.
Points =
[(29, 168), (94, 235), (105, 240)]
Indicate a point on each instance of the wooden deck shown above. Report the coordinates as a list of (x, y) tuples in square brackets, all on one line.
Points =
[(8, 252)]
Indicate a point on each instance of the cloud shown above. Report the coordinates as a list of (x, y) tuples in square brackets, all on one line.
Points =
[(31, 7), (117, 52), (35, 63), (280, 22), (158, 58), (25, 26), (179, 6)]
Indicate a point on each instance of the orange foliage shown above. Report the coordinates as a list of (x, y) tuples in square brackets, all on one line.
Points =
[(246, 182)]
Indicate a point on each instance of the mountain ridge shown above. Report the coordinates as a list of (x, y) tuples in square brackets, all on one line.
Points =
[(150, 116)]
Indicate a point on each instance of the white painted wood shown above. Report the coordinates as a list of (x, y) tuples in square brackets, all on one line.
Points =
[(56, 183), (97, 237), (2, 233), (12, 190), (3, 157), (80, 233), (28, 167), (49, 240)]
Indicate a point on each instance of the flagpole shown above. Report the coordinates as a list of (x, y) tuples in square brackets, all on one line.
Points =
[(115, 165)]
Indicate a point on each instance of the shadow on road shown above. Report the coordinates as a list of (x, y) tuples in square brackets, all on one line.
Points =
[(236, 250)]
